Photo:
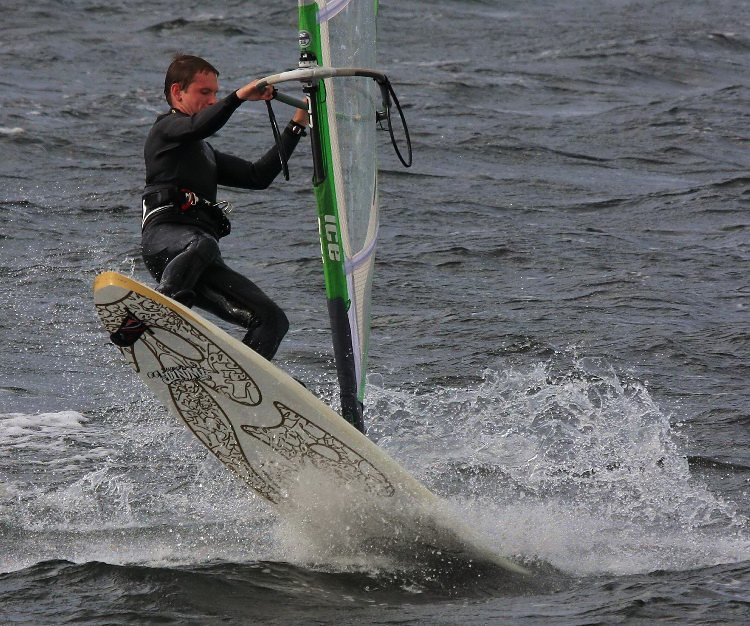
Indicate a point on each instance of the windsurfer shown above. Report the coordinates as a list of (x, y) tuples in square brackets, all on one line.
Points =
[(182, 222)]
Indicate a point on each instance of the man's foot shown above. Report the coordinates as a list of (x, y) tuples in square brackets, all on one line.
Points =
[(130, 331)]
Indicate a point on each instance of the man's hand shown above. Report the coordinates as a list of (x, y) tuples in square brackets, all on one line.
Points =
[(251, 92), (301, 117)]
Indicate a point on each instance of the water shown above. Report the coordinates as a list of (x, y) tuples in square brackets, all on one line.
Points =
[(560, 332)]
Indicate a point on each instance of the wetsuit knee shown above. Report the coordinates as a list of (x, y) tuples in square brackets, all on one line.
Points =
[(277, 324), (282, 323), (265, 334), (207, 248), (183, 272)]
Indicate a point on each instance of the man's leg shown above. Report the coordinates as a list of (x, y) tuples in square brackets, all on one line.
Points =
[(177, 257), (234, 298)]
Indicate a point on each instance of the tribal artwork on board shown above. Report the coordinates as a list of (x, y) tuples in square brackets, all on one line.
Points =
[(180, 349), (200, 380), (299, 440)]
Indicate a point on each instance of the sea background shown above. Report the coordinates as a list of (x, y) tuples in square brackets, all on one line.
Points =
[(561, 328)]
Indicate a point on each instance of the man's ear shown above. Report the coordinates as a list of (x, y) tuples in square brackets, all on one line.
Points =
[(174, 91)]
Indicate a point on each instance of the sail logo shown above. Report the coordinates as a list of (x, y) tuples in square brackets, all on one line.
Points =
[(331, 236)]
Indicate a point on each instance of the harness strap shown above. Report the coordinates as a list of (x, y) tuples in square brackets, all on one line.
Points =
[(181, 200)]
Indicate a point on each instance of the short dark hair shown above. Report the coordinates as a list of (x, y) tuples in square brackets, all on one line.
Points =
[(182, 70)]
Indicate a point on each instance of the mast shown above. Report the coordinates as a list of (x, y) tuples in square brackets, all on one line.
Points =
[(340, 33)]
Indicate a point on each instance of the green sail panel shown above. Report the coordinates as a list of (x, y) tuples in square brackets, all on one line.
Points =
[(342, 34)]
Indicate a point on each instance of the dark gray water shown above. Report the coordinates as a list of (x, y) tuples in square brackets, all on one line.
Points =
[(561, 338)]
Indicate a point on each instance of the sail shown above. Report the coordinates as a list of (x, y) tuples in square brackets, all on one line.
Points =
[(341, 33)]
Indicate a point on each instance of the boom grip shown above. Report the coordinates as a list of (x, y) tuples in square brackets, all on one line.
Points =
[(290, 100)]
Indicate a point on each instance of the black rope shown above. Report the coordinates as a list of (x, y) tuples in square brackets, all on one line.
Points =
[(390, 95), (277, 137)]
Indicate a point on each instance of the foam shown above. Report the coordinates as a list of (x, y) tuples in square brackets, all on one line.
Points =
[(574, 466), (40, 430)]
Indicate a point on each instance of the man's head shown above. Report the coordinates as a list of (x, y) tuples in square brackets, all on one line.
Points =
[(191, 84)]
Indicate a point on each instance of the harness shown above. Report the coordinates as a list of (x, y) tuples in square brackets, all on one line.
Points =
[(183, 202)]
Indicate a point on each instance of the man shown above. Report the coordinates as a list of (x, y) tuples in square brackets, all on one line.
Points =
[(182, 222)]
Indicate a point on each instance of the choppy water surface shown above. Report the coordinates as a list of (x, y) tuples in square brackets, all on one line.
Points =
[(561, 338)]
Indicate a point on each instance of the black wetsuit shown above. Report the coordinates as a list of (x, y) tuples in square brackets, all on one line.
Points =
[(180, 244)]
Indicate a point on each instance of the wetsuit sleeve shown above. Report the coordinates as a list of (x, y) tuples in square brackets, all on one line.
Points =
[(236, 172), (181, 128)]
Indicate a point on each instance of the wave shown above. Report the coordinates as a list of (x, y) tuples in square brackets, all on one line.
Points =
[(272, 592)]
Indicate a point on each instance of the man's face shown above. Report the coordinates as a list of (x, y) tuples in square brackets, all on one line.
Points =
[(201, 93)]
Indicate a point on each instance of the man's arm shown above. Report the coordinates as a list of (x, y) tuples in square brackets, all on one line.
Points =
[(236, 172), (178, 127)]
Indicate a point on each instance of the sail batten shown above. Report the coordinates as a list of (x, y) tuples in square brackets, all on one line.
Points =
[(332, 9)]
